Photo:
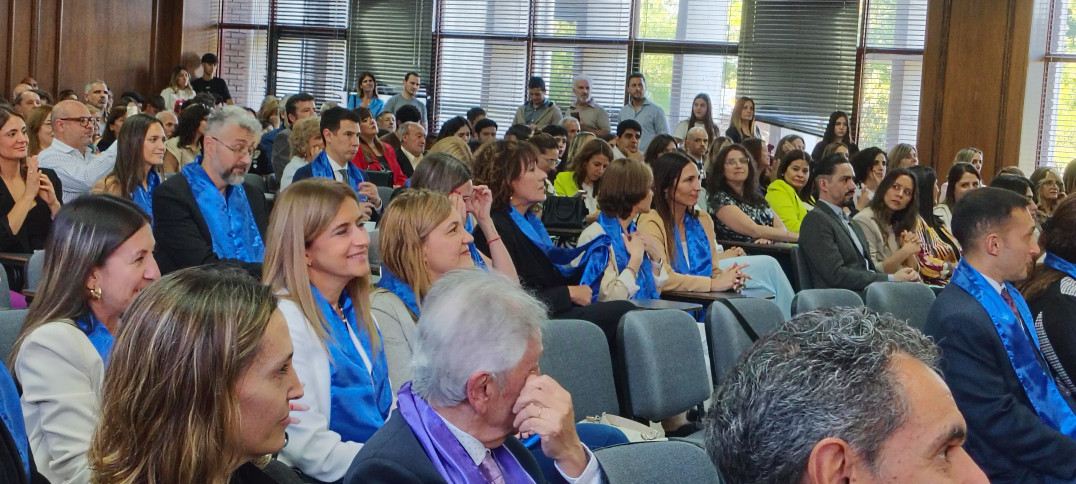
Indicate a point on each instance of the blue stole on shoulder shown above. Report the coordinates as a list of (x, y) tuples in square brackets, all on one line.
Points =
[(401, 289), (231, 222), (644, 279), (143, 197), (359, 392), (11, 415), (593, 267), (1039, 386), (698, 247), (475, 255), (1055, 262), (98, 334), (321, 167)]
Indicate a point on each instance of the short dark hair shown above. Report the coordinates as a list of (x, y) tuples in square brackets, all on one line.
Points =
[(627, 124), (331, 118), (474, 113), (544, 142), (209, 58), (157, 101), (291, 107), (1013, 183), (408, 113), (134, 95), (633, 75), (555, 130), (828, 164), (536, 82), (483, 124), (522, 132), (409, 74), (982, 210), (863, 162)]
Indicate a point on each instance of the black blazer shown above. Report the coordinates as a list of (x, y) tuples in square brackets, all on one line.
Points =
[(1005, 436), (536, 272), (393, 455), (831, 255), (274, 473), (306, 171), (35, 228), (183, 238)]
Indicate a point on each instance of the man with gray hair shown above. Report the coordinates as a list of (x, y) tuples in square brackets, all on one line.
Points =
[(839, 395), (206, 213), (169, 119), (592, 117), (77, 166), (476, 383)]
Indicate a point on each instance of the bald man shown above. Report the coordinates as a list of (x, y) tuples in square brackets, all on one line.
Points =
[(78, 166), (169, 120), (696, 143)]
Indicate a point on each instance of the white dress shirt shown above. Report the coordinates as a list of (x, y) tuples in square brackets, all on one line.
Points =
[(78, 170)]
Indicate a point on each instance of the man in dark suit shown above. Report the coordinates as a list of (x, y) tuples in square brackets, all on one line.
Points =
[(340, 134), (837, 254), (981, 324), (182, 210), (476, 383)]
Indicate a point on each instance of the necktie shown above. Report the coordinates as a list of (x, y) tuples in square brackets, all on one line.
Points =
[(1012, 304), (343, 175), (490, 470)]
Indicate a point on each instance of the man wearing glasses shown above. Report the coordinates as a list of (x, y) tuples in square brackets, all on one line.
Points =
[(77, 166), (206, 214)]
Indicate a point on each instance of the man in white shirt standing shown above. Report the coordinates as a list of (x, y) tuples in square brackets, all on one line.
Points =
[(75, 164)]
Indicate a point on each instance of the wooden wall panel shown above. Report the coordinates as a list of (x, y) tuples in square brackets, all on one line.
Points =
[(974, 74)]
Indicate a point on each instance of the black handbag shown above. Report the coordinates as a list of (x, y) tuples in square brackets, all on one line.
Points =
[(564, 213)]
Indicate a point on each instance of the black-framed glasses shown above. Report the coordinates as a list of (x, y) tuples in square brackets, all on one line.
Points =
[(85, 121), (252, 152)]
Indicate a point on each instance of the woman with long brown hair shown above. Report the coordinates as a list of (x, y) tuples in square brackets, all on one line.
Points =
[(28, 193), (743, 125), (889, 222), (373, 154), (138, 158)]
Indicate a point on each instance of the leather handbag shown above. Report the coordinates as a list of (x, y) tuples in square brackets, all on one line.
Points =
[(564, 213)]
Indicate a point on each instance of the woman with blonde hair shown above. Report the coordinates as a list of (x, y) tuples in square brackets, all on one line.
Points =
[(452, 145), (306, 142), (1049, 191), (39, 129), (269, 113), (198, 386), (317, 264), (902, 155), (97, 259), (422, 238), (577, 143), (139, 154), (742, 125), (179, 88)]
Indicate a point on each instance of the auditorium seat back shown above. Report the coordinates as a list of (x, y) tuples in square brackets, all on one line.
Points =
[(799, 266), (905, 300), (576, 355), (728, 336), (10, 323), (812, 299), (664, 363), (671, 461)]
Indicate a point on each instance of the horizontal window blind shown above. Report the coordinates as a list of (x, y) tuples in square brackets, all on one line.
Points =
[(797, 60), (1057, 119), (480, 72), (692, 21), (673, 81), (311, 48), (558, 64), (390, 38), (892, 73)]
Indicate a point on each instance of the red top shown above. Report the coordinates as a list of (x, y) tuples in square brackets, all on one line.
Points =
[(398, 178)]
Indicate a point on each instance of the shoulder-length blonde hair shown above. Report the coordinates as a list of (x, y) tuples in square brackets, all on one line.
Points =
[(301, 213), (455, 146), (170, 410), (737, 123), (408, 221)]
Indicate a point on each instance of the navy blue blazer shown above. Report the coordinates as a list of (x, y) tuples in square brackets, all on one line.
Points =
[(393, 455), (306, 171), (1005, 436)]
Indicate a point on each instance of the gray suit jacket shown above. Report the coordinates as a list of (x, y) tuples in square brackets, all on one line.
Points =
[(832, 257)]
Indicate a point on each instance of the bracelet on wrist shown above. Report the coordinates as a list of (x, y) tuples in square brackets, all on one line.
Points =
[(491, 241)]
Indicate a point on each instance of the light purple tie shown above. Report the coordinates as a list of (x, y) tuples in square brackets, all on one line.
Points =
[(490, 470)]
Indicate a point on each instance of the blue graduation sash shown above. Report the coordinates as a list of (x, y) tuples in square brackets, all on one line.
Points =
[(98, 334), (645, 278), (561, 258), (1039, 386), (11, 415), (359, 393), (475, 255), (401, 289), (321, 167), (231, 222), (698, 246), (143, 197)]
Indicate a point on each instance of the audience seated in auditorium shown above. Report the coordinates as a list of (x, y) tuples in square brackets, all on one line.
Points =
[(340, 133), (386, 123), (575, 145), (741, 213), (27, 194), (967, 155), (113, 123), (902, 155), (538, 112), (76, 165), (140, 153), (590, 115), (510, 170), (306, 144), (211, 84), (585, 175), (412, 145), (839, 395), (560, 135), (475, 115), (518, 132), (368, 99), (742, 124), (571, 128), (869, 166), (39, 129), (939, 252), (98, 257), (788, 143), (1019, 421), (888, 222), (760, 153), (650, 116), (269, 113), (661, 144), (838, 130), (547, 159), (696, 144), (702, 115), (96, 94), (217, 417), (485, 130), (1018, 185), (169, 120), (25, 102), (962, 178), (187, 142), (298, 106), (1049, 191), (456, 126), (372, 153), (628, 134), (408, 96), (153, 105), (455, 401), (206, 213), (406, 114), (692, 258), (789, 196), (317, 262), (836, 251), (451, 145)]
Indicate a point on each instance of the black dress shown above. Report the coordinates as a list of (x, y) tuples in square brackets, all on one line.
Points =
[(274, 473), (35, 229)]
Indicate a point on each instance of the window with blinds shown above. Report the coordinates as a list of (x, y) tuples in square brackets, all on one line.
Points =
[(1057, 120), (390, 38), (244, 45), (891, 73), (308, 47)]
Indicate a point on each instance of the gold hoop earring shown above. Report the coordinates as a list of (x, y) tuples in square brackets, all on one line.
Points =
[(95, 293)]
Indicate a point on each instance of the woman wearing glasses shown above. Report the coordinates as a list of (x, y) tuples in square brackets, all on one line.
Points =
[(1049, 191), (889, 222), (740, 211)]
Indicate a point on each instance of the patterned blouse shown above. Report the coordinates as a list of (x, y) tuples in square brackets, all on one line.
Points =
[(760, 214), (937, 258)]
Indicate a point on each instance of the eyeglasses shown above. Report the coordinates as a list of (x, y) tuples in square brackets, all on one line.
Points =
[(85, 121), (252, 152), (737, 162)]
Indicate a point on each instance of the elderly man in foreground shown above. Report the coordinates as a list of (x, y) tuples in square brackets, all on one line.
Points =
[(841, 395), (476, 383)]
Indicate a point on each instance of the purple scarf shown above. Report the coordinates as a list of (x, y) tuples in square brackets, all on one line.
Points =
[(446, 453)]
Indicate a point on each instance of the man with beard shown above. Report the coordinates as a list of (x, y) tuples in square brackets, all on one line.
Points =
[(206, 213), (590, 116), (836, 252), (649, 115)]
